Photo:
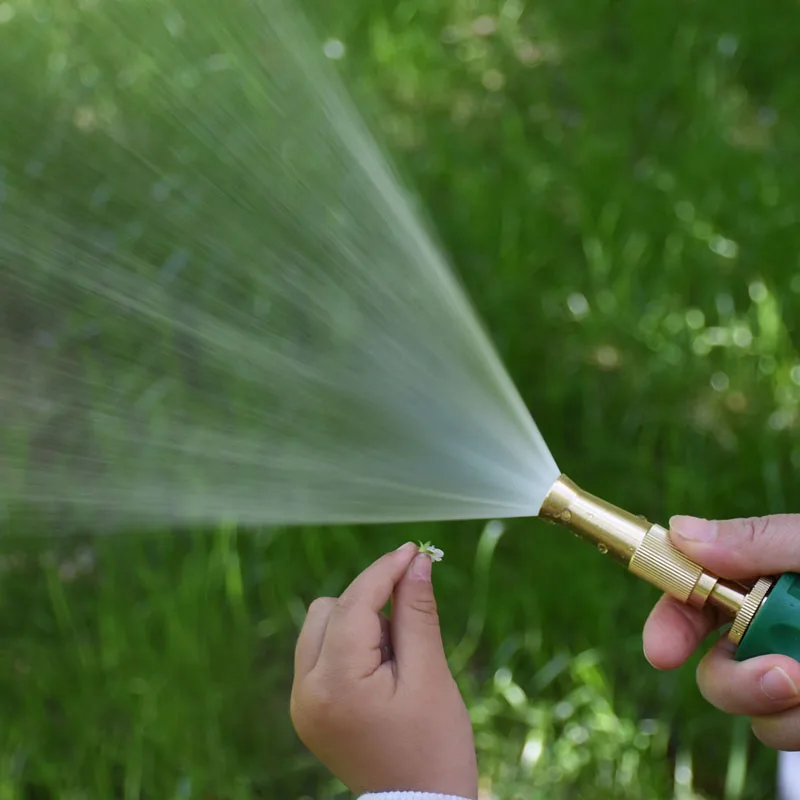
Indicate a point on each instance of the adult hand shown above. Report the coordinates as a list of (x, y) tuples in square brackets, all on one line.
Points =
[(766, 688)]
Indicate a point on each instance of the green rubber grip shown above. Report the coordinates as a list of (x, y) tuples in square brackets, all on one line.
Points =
[(775, 629)]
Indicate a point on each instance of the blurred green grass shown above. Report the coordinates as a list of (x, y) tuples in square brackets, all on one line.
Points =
[(615, 182)]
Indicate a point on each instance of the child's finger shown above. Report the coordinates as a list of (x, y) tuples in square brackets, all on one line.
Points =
[(374, 586), (416, 636), (309, 643), (354, 630), (387, 651)]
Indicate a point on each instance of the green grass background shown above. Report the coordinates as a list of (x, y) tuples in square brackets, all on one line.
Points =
[(642, 155)]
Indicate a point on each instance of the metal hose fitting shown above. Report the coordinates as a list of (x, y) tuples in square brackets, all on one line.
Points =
[(647, 551)]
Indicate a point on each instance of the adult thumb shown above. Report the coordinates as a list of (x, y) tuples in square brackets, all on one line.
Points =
[(416, 637), (741, 548)]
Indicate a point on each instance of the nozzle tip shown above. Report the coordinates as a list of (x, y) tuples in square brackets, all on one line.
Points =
[(557, 501)]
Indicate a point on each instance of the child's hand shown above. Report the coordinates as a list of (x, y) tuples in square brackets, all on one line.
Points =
[(375, 701)]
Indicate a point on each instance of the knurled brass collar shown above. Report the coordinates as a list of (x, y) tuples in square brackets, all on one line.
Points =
[(749, 608)]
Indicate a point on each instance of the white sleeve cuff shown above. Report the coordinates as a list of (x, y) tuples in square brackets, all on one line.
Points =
[(409, 796)]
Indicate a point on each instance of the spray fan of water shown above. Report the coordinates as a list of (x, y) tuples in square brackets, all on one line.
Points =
[(215, 300)]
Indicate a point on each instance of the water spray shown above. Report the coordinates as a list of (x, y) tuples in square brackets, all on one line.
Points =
[(264, 330), (765, 616)]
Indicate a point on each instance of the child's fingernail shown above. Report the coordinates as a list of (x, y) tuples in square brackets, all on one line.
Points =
[(694, 529), (777, 685), (405, 546), (421, 568)]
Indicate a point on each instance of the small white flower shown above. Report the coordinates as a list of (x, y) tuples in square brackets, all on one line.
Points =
[(434, 553)]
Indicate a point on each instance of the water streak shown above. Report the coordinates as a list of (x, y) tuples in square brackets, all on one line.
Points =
[(216, 300)]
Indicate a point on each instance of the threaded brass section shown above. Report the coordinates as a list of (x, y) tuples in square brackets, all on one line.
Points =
[(647, 551), (749, 608), (728, 597), (660, 563)]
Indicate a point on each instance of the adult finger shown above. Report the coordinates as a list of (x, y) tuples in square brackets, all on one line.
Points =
[(756, 687), (673, 632), (309, 643), (779, 731), (740, 548)]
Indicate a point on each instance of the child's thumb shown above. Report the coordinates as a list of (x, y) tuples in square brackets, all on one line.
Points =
[(416, 638)]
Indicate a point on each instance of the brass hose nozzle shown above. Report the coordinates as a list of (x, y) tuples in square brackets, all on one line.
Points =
[(646, 550)]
